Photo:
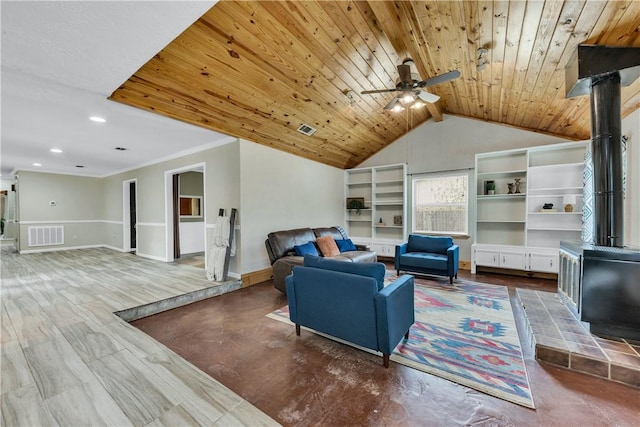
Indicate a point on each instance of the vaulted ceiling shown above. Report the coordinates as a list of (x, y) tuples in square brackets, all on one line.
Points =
[(258, 70)]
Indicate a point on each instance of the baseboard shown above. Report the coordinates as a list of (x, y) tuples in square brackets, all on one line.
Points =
[(56, 249), (114, 248), (522, 273), (464, 265), (258, 276), (153, 257)]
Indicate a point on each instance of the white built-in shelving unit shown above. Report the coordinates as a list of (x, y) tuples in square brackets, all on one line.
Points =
[(384, 190), (513, 230)]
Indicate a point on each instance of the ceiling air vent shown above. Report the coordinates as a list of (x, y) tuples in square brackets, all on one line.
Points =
[(306, 129)]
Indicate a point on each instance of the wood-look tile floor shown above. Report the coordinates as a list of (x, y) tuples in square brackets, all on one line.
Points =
[(311, 380), (67, 360)]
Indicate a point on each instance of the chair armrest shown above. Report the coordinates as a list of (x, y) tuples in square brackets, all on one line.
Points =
[(291, 298), (394, 312), (400, 250), (365, 248), (453, 256)]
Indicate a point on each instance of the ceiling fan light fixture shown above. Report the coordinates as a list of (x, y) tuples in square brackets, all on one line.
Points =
[(407, 99), (418, 105), (397, 108)]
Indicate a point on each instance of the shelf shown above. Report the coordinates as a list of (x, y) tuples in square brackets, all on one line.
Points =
[(553, 229), (546, 168), (512, 221), (555, 213), (502, 196), (502, 173), (358, 220), (395, 203), (552, 189), (388, 226), (394, 181), (356, 184)]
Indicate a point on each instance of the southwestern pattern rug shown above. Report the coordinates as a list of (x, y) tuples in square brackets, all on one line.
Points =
[(464, 333)]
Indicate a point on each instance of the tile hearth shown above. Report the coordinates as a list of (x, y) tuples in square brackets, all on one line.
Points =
[(560, 339)]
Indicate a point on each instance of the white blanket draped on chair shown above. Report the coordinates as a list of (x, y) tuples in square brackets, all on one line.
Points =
[(218, 249)]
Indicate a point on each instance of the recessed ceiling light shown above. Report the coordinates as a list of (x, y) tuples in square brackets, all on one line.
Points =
[(97, 119), (37, 164), (56, 150), (120, 148)]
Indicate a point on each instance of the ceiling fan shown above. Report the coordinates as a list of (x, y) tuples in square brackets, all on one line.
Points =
[(410, 86)]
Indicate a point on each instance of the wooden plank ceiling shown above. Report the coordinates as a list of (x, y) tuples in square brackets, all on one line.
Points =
[(258, 70)]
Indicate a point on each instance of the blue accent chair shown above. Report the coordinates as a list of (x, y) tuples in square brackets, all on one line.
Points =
[(349, 301), (428, 254)]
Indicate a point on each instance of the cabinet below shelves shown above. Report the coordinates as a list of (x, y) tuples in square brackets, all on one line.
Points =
[(542, 260)]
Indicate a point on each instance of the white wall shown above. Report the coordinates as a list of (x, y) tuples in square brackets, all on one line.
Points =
[(78, 207), (631, 128), (452, 145), (281, 191)]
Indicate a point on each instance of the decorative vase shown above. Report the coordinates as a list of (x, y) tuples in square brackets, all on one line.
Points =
[(510, 185), (517, 180)]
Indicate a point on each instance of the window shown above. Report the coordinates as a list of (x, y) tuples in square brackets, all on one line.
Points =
[(440, 204)]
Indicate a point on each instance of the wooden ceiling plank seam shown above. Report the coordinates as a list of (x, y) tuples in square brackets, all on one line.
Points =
[(484, 39), (431, 47), (438, 49), (528, 35), (459, 28), (454, 37), (344, 61), (500, 15), (550, 82), (374, 46), (347, 129), (514, 29), (240, 119), (611, 27), (584, 27), (470, 17)]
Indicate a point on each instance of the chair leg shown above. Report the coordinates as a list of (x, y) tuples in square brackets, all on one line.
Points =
[(451, 280), (297, 330), (397, 272), (406, 336), (385, 360)]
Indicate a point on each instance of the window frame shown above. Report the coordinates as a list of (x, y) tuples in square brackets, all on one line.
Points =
[(467, 202)]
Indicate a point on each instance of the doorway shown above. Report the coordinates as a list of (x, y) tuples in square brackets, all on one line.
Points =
[(129, 216), (185, 231)]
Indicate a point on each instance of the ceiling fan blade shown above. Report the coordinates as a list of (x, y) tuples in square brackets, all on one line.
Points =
[(428, 96), (392, 103), (404, 71), (451, 75), (365, 92)]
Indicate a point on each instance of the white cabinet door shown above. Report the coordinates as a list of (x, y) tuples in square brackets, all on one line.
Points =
[(512, 259), (543, 262), (488, 258)]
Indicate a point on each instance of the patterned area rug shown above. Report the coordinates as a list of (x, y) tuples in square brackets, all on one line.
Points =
[(464, 333)]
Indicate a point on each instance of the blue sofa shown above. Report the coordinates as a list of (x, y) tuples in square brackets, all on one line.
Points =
[(349, 301), (429, 255)]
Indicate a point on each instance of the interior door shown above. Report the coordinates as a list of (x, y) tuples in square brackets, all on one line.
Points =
[(132, 215)]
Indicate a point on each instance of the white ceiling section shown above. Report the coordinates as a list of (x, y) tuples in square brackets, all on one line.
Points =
[(60, 62)]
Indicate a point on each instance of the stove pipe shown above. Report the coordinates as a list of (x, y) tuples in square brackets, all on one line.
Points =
[(606, 148), (600, 71)]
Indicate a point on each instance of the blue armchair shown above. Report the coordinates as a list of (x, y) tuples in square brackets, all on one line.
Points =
[(349, 301), (428, 254)]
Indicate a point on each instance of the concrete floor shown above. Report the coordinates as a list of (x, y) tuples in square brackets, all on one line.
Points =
[(311, 380)]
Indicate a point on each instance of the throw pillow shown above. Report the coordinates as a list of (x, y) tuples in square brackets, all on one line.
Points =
[(307, 248), (346, 245), (327, 246)]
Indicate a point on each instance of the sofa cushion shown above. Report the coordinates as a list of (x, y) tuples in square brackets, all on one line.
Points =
[(335, 232), (433, 244), (368, 269), (307, 248), (358, 256), (429, 261), (327, 246), (345, 245), (283, 241)]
